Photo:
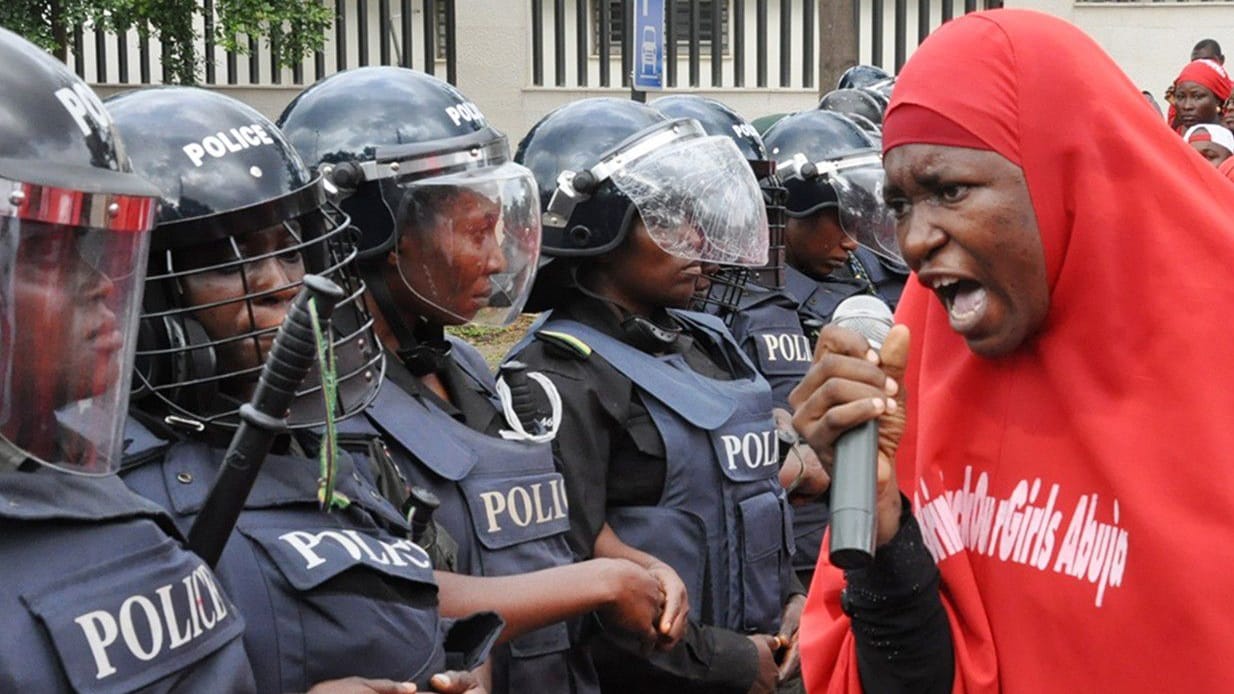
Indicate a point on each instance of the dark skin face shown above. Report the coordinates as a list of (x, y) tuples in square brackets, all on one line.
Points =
[(966, 225), (1194, 103), (1227, 119), (1213, 152), (67, 340), (272, 277), (640, 277), (817, 245), (444, 271)]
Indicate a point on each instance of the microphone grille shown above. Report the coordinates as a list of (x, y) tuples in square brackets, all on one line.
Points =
[(866, 315)]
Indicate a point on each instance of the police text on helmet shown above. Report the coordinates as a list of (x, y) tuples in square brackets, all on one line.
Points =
[(79, 101), (223, 143), (745, 130), (465, 112)]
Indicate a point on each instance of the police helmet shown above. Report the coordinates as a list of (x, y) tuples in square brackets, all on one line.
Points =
[(716, 119), (861, 76), (728, 282), (600, 162), (414, 159), (855, 101), (74, 223), (825, 160), (236, 202)]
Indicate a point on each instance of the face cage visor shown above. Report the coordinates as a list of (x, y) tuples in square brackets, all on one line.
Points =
[(71, 268), (468, 242), (858, 185), (229, 298)]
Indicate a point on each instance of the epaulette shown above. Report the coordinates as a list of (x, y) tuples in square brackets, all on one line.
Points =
[(566, 343)]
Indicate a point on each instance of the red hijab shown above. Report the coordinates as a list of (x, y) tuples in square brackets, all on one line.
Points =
[(1076, 493), (1208, 74)]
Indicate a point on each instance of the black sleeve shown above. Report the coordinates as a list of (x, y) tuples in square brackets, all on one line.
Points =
[(589, 397), (901, 630), (708, 660)]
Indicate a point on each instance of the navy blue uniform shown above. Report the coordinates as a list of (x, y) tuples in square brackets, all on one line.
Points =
[(674, 448), (503, 501), (99, 596), (325, 595), (769, 332)]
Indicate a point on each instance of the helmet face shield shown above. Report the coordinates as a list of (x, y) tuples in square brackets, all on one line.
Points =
[(863, 213), (699, 200), (857, 183), (70, 297), (468, 242)]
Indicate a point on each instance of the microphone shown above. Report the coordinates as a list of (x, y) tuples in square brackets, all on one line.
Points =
[(854, 480)]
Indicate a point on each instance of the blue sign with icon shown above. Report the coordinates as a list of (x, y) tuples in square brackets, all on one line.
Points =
[(648, 45)]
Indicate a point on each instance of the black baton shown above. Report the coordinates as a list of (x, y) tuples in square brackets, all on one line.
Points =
[(263, 417)]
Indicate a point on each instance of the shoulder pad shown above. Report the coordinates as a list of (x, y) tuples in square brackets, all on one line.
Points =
[(565, 342)]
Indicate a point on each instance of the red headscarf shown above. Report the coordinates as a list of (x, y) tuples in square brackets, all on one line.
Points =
[(1076, 493), (1208, 74)]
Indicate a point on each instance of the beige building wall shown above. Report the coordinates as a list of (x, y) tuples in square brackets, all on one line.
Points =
[(1150, 40)]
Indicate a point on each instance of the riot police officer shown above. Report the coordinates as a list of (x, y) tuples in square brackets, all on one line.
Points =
[(325, 593), (667, 436), (838, 240), (761, 316), (764, 322), (450, 236), (98, 594)]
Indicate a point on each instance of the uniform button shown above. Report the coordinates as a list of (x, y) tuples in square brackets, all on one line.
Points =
[(356, 476), (184, 478), (374, 493)]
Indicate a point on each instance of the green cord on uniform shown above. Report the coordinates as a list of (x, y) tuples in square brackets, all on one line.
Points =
[(328, 457)]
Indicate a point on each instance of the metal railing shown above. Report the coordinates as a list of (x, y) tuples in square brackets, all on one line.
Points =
[(723, 43), (385, 32), (589, 42), (873, 25)]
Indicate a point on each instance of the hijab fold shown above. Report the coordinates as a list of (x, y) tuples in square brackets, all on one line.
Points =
[(1077, 492)]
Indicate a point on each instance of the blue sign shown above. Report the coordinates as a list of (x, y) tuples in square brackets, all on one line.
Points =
[(648, 45)]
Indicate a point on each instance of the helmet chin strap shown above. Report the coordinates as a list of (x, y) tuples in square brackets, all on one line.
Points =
[(636, 330), (422, 347)]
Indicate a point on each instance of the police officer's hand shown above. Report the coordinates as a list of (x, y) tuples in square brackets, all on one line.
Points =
[(802, 474), (676, 607), (456, 682), (765, 683), (849, 384), (361, 685), (788, 654), (636, 600)]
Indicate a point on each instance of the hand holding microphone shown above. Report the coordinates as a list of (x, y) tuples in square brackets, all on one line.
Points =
[(849, 385)]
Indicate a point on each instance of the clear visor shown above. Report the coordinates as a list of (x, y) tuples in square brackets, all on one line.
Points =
[(469, 242), (700, 201), (863, 213), (70, 297)]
